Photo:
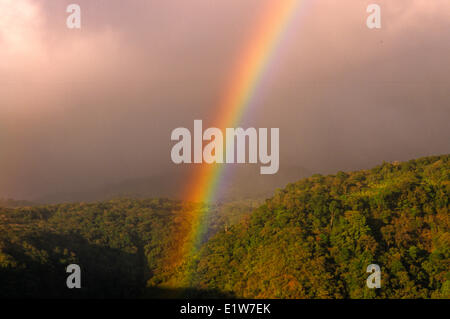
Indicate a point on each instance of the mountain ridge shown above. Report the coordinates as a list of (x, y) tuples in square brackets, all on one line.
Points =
[(312, 239)]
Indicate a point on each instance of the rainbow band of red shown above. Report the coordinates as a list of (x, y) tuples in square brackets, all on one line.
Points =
[(248, 73)]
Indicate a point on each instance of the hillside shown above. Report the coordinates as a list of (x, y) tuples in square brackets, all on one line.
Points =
[(315, 238), (312, 239), (124, 246), (119, 245)]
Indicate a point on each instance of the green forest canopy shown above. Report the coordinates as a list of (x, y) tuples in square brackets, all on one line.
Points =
[(312, 239)]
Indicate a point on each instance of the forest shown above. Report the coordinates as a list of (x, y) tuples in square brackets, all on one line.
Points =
[(312, 239)]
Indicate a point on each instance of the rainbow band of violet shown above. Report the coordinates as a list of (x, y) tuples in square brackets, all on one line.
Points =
[(248, 74)]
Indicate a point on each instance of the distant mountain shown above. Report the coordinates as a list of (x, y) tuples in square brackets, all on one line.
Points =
[(11, 203), (242, 181)]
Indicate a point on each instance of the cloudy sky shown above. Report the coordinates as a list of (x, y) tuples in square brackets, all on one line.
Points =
[(83, 108)]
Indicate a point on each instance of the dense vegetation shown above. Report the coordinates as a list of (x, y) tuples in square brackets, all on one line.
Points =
[(120, 244), (313, 239), (126, 247)]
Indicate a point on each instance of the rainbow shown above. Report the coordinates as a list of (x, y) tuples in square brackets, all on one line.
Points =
[(248, 74)]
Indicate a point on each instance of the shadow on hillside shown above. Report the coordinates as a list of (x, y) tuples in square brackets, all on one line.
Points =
[(37, 268)]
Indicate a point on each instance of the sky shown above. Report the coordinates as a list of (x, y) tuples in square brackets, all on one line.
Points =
[(81, 108)]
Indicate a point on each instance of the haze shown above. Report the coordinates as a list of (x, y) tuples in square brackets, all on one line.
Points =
[(84, 108)]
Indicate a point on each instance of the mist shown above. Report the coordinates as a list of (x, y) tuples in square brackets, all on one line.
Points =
[(81, 109)]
